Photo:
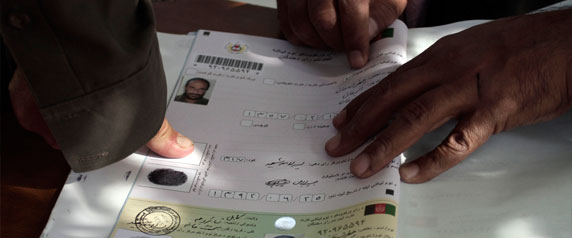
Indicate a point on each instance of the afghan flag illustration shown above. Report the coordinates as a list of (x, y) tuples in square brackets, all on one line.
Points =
[(380, 208)]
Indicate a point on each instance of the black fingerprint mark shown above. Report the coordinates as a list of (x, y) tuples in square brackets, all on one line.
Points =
[(167, 177)]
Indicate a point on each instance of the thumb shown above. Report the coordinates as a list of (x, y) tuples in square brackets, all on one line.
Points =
[(170, 143)]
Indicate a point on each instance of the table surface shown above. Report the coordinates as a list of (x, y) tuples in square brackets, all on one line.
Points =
[(32, 173)]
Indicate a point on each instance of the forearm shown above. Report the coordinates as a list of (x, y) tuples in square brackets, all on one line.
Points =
[(95, 70)]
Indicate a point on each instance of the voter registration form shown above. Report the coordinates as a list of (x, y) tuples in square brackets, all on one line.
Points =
[(259, 111)]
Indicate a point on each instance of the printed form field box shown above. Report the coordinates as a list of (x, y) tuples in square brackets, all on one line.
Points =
[(215, 193), (311, 117), (305, 198), (272, 197), (249, 113), (318, 197), (240, 195), (300, 117), (232, 158), (285, 198), (246, 123), (252, 196), (329, 116), (299, 126), (228, 194)]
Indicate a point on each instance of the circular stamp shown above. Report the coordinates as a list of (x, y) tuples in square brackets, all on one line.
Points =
[(158, 220)]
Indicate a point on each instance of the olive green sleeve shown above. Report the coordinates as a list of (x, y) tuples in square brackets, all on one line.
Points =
[(96, 71)]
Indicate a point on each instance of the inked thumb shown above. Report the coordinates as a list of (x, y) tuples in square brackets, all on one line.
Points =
[(170, 143)]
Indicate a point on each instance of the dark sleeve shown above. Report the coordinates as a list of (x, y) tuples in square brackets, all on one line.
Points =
[(96, 71)]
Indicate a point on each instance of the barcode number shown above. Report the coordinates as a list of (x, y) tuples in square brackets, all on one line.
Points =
[(242, 64)]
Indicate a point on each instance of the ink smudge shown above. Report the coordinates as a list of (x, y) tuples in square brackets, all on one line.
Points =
[(80, 177), (167, 177)]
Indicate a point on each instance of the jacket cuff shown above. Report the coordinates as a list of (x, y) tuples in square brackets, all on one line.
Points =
[(107, 125)]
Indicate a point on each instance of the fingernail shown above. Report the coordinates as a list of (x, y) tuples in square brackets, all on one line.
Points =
[(373, 28), (340, 118), (356, 59), (334, 142), (361, 164), (184, 142), (408, 171)]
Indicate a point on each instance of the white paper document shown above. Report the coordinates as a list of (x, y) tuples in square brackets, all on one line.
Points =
[(259, 111)]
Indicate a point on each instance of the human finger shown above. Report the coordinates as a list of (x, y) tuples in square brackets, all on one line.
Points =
[(282, 6), (300, 24), (324, 18), (407, 74), (468, 135), (170, 143), (412, 122), (26, 109), (383, 13), (349, 110), (364, 118), (354, 15)]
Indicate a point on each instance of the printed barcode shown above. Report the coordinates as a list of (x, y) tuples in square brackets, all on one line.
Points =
[(242, 64)]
